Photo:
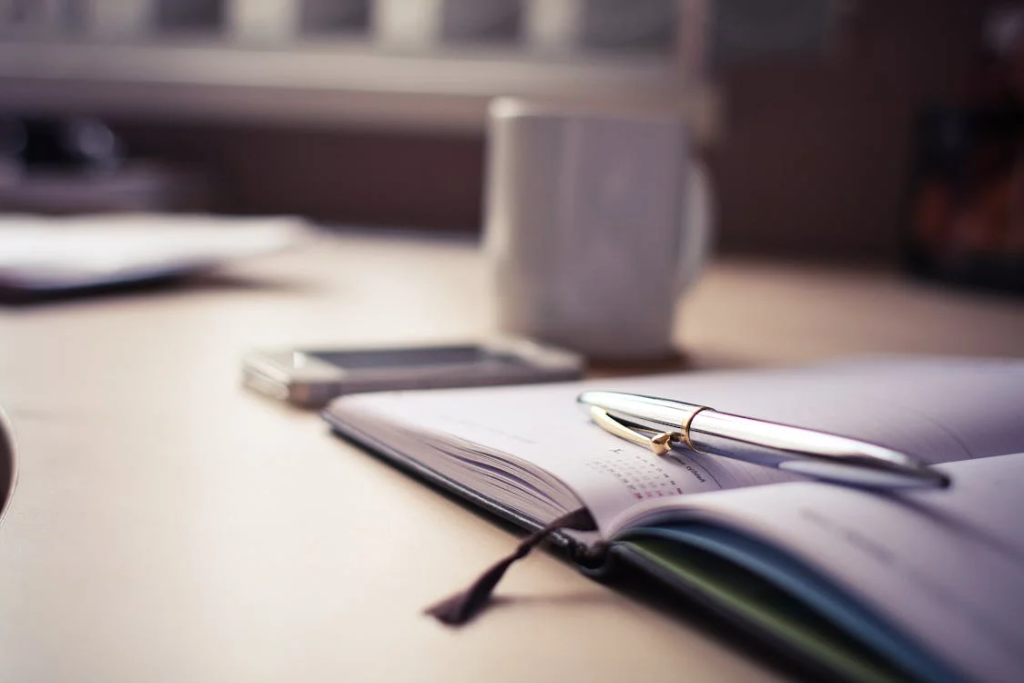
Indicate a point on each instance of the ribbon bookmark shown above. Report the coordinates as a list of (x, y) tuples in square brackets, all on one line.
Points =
[(460, 608)]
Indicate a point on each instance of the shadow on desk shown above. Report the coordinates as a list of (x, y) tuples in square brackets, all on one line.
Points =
[(12, 296)]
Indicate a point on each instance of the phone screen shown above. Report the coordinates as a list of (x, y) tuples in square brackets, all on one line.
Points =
[(409, 358)]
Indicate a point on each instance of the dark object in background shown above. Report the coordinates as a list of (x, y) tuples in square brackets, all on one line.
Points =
[(12, 138), (966, 222), (71, 144), (967, 211), (73, 165)]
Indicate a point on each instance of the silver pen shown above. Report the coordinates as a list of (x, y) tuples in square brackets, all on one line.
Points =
[(662, 425)]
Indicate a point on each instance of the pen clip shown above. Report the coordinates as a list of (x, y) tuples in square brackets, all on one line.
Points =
[(660, 443)]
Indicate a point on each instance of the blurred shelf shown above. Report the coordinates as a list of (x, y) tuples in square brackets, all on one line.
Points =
[(393, 63), (319, 84), (405, 63)]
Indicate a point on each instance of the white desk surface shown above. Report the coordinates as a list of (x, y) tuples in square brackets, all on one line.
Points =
[(169, 526)]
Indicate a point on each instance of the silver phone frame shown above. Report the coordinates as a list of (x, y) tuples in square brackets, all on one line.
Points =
[(297, 377)]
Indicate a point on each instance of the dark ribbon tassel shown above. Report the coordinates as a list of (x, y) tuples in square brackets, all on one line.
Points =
[(462, 607)]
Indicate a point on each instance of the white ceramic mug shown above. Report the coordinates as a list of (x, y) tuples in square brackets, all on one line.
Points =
[(596, 223)]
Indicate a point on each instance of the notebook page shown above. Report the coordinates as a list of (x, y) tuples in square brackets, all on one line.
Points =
[(937, 410), (944, 566)]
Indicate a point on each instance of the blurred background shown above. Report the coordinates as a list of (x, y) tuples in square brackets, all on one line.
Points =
[(371, 112)]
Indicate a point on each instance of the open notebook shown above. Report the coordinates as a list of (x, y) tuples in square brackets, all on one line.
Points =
[(870, 585)]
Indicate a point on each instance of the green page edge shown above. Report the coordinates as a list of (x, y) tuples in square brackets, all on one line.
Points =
[(767, 607)]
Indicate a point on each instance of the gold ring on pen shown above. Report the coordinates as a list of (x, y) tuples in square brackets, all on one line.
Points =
[(686, 429)]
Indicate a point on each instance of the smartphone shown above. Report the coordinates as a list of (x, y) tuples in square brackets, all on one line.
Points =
[(311, 377)]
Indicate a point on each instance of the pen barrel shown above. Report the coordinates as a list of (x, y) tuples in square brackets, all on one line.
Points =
[(808, 452), (657, 414)]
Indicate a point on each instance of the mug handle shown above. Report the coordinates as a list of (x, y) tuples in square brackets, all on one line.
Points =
[(698, 220)]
